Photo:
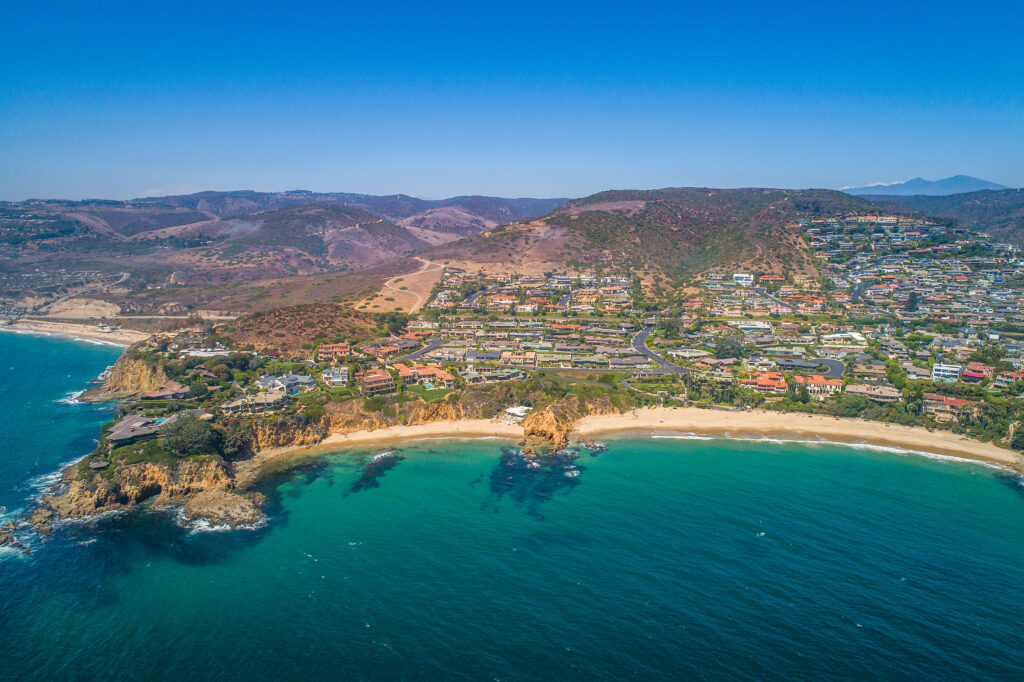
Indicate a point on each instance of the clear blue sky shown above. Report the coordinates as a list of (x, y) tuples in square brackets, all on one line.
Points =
[(515, 99)]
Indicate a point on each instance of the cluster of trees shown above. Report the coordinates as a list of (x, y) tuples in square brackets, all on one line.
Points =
[(189, 435)]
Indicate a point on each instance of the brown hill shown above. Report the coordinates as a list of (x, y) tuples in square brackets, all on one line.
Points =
[(664, 235), (296, 330)]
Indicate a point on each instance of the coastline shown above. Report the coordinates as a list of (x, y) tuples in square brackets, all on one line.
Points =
[(118, 337), (268, 461), (753, 425), (798, 426)]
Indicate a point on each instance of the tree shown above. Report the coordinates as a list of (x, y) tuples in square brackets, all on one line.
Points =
[(912, 302), (728, 347), (189, 435), (1017, 443), (198, 388)]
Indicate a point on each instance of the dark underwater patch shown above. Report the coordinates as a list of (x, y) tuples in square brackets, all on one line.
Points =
[(531, 483), (375, 468)]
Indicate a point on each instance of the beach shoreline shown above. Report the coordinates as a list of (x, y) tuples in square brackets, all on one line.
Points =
[(272, 460), (80, 332), (811, 428), (755, 425)]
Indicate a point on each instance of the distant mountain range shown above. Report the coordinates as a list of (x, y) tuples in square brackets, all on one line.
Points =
[(957, 184), (246, 251)]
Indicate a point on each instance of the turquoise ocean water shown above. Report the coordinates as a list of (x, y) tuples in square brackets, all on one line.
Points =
[(663, 559)]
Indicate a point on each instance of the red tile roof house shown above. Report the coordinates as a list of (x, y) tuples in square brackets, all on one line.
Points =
[(981, 370), (429, 373), (764, 382), (376, 381), (943, 408), (333, 351), (818, 385)]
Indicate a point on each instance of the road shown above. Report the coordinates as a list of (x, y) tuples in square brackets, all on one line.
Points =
[(639, 344), (471, 300), (397, 291), (835, 368), (431, 345), (764, 293)]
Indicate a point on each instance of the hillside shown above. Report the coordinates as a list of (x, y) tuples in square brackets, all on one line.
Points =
[(999, 213), (295, 330), (226, 238), (957, 184), (661, 235)]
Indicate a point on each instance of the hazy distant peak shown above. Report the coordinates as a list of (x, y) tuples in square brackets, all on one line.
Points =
[(957, 184)]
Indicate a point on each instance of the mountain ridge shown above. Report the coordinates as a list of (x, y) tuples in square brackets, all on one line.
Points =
[(955, 184)]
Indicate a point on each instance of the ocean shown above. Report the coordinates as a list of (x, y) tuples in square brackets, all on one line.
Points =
[(664, 558)]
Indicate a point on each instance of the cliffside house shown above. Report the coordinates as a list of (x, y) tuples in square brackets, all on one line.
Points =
[(943, 408), (376, 381), (336, 376), (172, 390)]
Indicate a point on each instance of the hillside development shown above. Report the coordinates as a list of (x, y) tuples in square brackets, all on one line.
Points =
[(664, 237)]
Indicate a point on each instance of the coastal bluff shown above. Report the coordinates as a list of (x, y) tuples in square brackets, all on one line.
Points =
[(129, 377)]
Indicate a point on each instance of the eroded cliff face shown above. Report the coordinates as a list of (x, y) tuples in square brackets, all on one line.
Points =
[(86, 494), (554, 423), (287, 432), (129, 377)]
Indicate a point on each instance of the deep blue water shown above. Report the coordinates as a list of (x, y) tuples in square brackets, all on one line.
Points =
[(664, 559)]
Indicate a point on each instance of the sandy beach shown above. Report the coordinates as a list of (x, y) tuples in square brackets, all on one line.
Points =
[(795, 426), (122, 337), (653, 421), (268, 461)]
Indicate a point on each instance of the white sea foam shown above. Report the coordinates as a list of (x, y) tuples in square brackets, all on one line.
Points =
[(65, 335), (203, 526), (456, 436), (72, 398), (857, 446)]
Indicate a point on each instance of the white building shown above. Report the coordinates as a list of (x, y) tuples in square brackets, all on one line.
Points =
[(743, 279), (947, 373)]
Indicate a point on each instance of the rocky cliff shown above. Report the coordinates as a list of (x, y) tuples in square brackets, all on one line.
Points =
[(554, 423), (129, 377), (86, 493), (287, 432)]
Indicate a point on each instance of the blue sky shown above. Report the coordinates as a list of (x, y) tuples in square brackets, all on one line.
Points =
[(512, 99)]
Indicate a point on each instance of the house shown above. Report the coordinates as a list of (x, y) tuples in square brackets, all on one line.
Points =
[(334, 351), (945, 409), (1006, 379), (136, 427), (631, 362), (172, 390), (819, 386), (433, 375), (764, 382), (376, 381), (743, 279), (946, 373), (879, 394), (336, 376), (980, 370), (528, 358), (487, 376)]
